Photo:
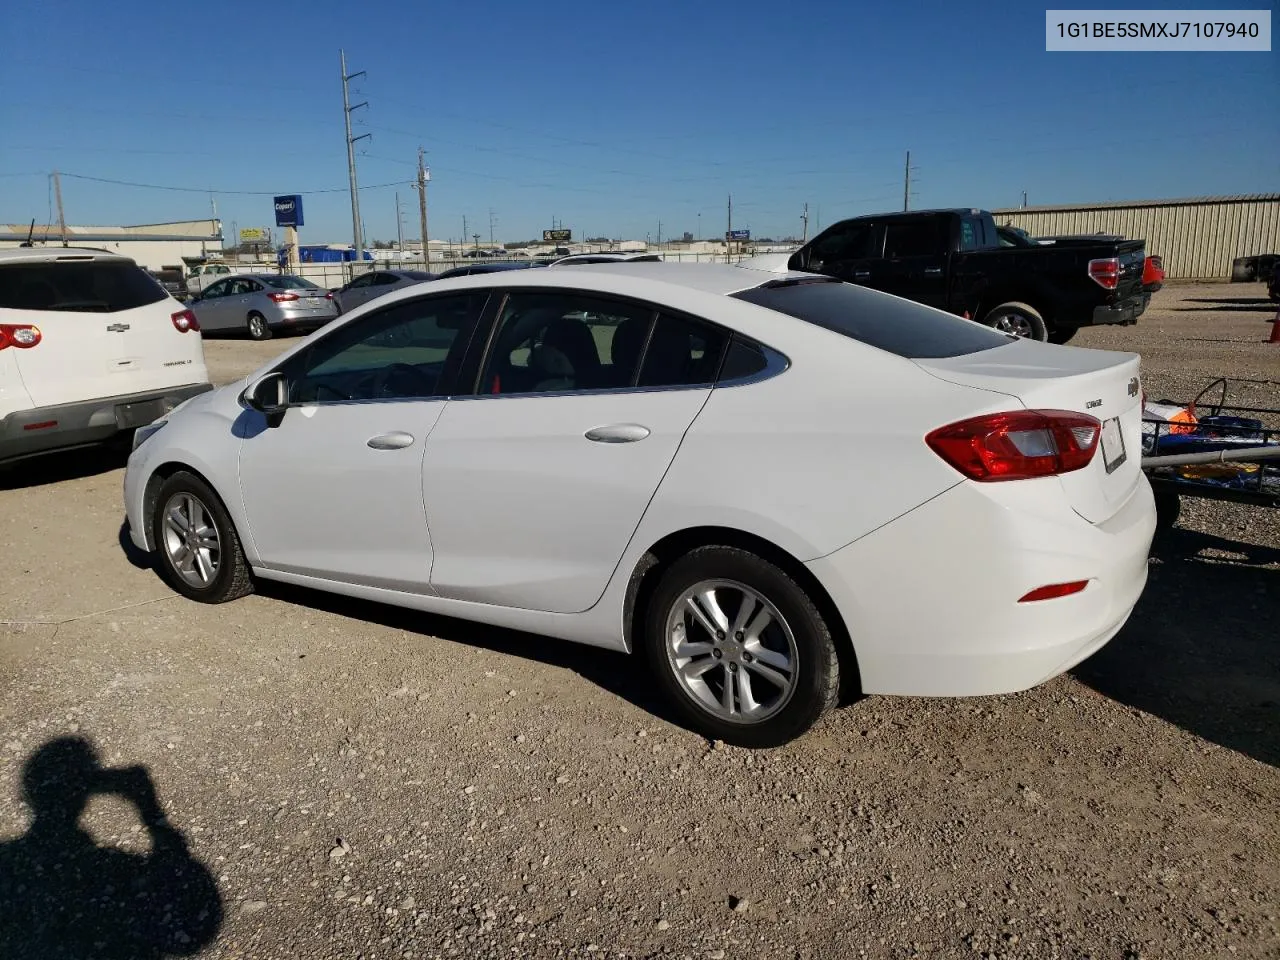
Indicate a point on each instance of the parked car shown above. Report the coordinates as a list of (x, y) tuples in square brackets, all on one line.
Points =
[(172, 280), (91, 346), (485, 268), (261, 303), (930, 507), (369, 286), (204, 274), (957, 260)]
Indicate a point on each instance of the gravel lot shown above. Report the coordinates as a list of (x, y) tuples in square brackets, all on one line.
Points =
[(346, 780)]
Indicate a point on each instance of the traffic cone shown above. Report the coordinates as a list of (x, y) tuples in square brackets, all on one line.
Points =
[(1275, 329)]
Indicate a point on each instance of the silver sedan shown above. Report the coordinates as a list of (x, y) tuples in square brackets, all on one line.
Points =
[(369, 286), (262, 303)]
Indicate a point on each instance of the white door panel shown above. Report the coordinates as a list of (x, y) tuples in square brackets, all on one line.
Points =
[(525, 510), (335, 491)]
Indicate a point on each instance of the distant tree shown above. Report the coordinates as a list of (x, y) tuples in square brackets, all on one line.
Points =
[(383, 245), (598, 240)]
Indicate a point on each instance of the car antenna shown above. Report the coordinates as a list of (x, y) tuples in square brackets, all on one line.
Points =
[(30, 233)]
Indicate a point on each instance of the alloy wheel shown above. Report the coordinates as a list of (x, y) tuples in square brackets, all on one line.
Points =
[(731, 651), (191, 542)]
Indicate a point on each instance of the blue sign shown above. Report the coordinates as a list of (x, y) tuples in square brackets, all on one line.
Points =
[(737, 235), (289, 211)]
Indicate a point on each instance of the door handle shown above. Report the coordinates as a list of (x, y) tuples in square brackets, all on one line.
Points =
[(617, 433), (396, 440), (862, 274), (933, 271)]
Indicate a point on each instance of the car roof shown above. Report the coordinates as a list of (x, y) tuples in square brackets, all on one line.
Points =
[(55, 254), (714, 278)]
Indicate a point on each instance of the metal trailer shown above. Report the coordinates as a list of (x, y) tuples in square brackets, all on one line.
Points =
[(1230, 453)]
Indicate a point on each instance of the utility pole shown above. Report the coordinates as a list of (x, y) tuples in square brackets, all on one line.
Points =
[(464, 233), (423, 177), (906, 184), (1024, 199), (358, 235), (476, 238), (659, 233), (804, 237), (62, 220), (728, 244), (399, 227), (492, 221)]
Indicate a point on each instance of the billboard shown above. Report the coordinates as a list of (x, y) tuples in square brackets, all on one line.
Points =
[(289, 211), (557, 236), (254, 235), (737, 235)]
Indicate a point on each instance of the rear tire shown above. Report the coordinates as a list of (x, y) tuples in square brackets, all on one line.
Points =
[(257, 326), (1019, 319), (776, 655), (1168, 509), (1062, 334), (197, 548)]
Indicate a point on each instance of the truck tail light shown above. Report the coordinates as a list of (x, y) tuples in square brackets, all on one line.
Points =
[(1105, 272), (282, 297), (185, 320), (1018, 445), (24, 336)]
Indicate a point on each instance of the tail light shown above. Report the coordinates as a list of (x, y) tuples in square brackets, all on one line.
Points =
[(329, 295), (1018, 445), (1105, 272), (20, 335), (282, 297), (185, 320)]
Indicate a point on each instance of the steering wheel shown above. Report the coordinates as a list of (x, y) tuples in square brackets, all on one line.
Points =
[(413, 382)]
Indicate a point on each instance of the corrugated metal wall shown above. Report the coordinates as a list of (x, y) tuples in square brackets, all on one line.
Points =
[(1198, 238)]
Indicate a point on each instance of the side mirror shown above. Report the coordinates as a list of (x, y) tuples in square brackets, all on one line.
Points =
[(269, 395)]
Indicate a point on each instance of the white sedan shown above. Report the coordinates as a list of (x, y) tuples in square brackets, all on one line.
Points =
[(776, 486)]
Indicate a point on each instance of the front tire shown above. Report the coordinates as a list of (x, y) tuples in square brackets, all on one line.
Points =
[(198, 549), (257, 326), (739, 648), (1019, 319)]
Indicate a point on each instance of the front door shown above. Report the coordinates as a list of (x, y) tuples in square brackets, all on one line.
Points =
[(915, 258), (335, 490), (536, 484), (848, 251)]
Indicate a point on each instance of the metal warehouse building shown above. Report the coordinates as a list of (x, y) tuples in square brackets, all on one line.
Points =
[(152, 245), (1198, 237)]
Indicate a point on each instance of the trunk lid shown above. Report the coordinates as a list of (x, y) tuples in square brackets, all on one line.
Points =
[(1101, 383)]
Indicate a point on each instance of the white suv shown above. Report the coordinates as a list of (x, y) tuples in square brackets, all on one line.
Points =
[(90, 346)]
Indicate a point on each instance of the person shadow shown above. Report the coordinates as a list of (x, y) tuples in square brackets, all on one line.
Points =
[(64, 897)]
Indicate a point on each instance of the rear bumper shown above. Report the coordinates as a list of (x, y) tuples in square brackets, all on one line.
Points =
[(39, 430), (299, 320), (1125, 312), (931, 600)]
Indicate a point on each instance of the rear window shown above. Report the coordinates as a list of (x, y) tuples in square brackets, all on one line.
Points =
[(887, 323), (92, 286), (289, 283)]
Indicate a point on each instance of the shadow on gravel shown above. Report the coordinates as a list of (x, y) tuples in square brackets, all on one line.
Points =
[(1228, 300), (63, 897), (622, 675), (1229, 304), (64, 465), (1201, 650)]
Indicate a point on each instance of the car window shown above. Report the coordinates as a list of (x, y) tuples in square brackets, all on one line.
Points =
[(682, 352), (969, 239), (745, 358), (252, 286), (403, 352), (238, 288), (565, 341), (221, 270), (853, 240), (913, 238), (385, 279), (289, 282), (100, 286), (215, 290), (363, 280), (887, 323)]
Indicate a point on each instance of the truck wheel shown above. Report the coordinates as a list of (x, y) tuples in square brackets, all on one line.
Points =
[(1062, 334), (1019, 319)]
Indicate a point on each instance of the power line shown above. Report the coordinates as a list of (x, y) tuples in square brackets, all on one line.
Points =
[(225, 193)]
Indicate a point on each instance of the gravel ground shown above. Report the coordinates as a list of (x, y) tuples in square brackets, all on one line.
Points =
[(346, 780)]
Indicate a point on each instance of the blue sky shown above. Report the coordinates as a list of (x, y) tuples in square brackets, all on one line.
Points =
[(609, 117)]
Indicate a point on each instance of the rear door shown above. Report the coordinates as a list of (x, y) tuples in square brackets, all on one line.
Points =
[(102, 322), (914, 265)]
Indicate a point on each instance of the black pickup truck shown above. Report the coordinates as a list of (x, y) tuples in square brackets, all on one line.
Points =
[(954, 260)]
